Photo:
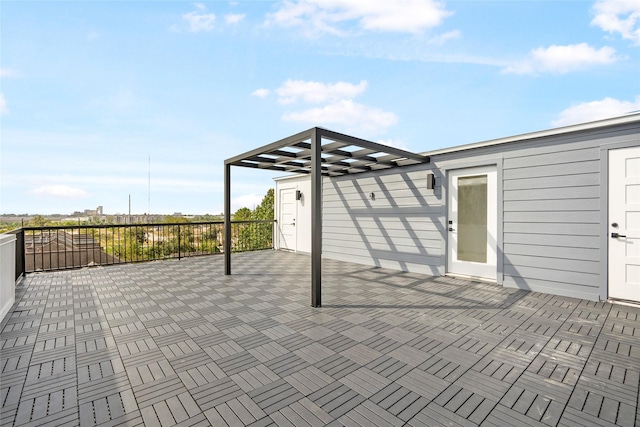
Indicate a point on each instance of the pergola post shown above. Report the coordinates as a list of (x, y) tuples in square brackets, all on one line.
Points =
[(227, 219), (316, 218)]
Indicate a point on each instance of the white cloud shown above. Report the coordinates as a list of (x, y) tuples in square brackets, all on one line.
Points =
[(619, 16), (327, 16), (444, 37), (562, 59), (596, 110), (234, 18), (346, 113), (315, 92), (337, 105), (199, 20), (261, 93), (59, 191), (3, 105)]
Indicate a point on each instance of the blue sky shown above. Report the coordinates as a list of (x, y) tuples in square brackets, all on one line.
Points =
[(90, 90)]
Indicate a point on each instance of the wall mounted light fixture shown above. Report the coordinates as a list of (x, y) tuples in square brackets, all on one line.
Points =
[(298, 195), (431, 181)]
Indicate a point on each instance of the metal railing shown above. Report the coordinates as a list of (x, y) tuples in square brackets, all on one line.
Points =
[(65, 247)]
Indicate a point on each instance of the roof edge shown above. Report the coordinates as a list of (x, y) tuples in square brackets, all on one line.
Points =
[(613, 121)]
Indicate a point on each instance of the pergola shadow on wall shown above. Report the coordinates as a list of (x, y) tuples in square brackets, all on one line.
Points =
[(319, 152)]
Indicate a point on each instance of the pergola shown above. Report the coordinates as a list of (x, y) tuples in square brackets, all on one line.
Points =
[(319, 152)]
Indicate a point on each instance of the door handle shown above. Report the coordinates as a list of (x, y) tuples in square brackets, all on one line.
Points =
[(293, 223), (451, 229), (616, 235)]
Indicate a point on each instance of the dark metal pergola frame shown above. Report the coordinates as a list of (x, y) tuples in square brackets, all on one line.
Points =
[(305, 153)]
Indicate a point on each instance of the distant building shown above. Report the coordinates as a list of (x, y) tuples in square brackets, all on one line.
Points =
[(137, 219), (99, 211)]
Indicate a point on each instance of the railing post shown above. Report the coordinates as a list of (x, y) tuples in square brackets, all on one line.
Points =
[(20, 253), (227, 219), (178, 241)]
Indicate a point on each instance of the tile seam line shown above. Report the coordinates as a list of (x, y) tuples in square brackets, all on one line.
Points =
[(32, 350), (128, 276), (464, 335), (587, 359), (494, 347), (93, 285)]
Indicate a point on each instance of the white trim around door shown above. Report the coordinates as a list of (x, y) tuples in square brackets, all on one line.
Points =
[(472, 222), (624, 224), (287, 213)]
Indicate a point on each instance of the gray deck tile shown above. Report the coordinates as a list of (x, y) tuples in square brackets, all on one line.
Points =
[(338, 342), (337, 366), (254, 377), (286, 364), (253, 340), (389, 367), (302, 413), (399, 401), (145, 373), (382, 344), (502, 416), (546, 387), (442, 368), (201, 375), (156, 391), (369, 414), (215, 393), (598, 404), (47, 407), (263, 422), (336, 399), (292, 341), (573, 417), (166, 330), (237, 362), (361, 354), (483, 385), (275, 396)]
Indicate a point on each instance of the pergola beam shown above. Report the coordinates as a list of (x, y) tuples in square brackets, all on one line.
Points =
[(352, 140)]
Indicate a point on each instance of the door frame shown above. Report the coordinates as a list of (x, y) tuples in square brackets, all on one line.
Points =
[(489, 273), (280, 189), (496, 161), (628, 141)]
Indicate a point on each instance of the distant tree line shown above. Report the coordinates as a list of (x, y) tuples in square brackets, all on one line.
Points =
[(166, 239)]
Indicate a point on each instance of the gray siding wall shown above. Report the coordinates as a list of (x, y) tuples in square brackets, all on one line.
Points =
[(401, 228), (550, 199), (553, 213)]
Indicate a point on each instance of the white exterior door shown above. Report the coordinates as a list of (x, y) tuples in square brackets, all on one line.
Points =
[(472, 222), (624, 223), (287, 213)]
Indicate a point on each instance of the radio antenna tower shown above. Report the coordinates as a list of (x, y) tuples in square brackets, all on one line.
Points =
[(149, 189)]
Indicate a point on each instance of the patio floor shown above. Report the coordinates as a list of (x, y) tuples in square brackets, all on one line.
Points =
[(177, 342)]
